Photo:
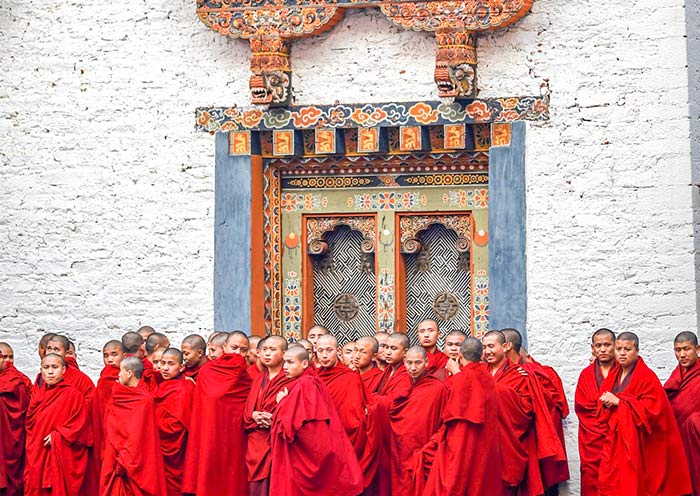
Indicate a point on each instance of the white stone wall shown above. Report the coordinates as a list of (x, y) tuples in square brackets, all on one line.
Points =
[(106, 191)]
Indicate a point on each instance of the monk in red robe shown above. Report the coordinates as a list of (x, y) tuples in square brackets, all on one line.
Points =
[(57, 434), (347, 354), (194, 352), (414, 419), (215, 346), (311, 454), (217, 437), (173, 408), (592, 427), (553, 471), (312, 336), (642, 453), (257, 366), (132, 460), (252, 358), (155, 345), (683, 390), (453, 341), (380, 360), (260, 408), (367, 349), (463, 458), (15, 394), (146, 331), (59, 345), (9, 354), (41, 348), (428, 335)]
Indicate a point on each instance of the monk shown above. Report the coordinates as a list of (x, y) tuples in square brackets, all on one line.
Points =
[(41, 349), (306, 344), (683, 390), (146, 332), (312, 335), (463, 458), (592, 427), (428, 335), (553, 471), (58, 345), (253, 352), (135, 345), (381, 338), (257, 367), (194, 351), (311, 453), (215, 347), (15, 394), (642, 451), (132, 460), (217, 438), (173, 409), (57, 434), (367, 349), (9, 354), (156, 344), (260, 408), (453, 341), (414, 418), (72, 354), (347, 354)]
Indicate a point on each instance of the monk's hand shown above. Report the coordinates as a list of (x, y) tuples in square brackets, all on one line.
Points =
[(608, 399), (47, 440), (263, 419), (282, 394), (522, 371), (453, 366)]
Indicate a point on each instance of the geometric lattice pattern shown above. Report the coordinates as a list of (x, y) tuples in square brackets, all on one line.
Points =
[(344, 275), (440, 274)]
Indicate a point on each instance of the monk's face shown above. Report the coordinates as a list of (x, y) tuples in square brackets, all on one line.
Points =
[(364, 356), (156, 358), (626, 353), (52, 370), (237, 344), (272, 353), (381, 354), (603, 348), (395, 351), (452, 345), (686, 353), (71, 351), (170, 366), (56, 348), (415, 365), (428, 334), (112, 357), (214, 351), (9, 354), (3, 358), (494, 351), (348, 353), (191, 356), (293, 367), (313, 335), (327, 353)]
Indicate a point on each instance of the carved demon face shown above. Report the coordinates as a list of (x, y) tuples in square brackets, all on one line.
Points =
[(271, 88), (455, 80)]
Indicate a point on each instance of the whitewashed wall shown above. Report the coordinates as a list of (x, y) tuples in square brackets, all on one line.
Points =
[(106, 191)]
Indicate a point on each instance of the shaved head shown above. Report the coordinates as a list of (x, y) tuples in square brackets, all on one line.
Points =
[(254, 340), (399, 338), (629, 336), (196, 342), (134, 364), (500, 338), (327, 340), (54, 356), (686, 337), (58, 345), (472, 350), (132, 341), (417, 350), (297, 352), (114, 344), (603, 332), (513, 337), (174, 352), (219, 339), (146, 331), (279, 340), (369, 340), (155, 341)]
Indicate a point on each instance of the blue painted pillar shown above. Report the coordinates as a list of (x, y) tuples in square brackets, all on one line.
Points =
[(507, 211), (232, 228)]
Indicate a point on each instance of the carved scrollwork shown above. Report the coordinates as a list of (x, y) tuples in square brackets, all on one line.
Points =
[(367, 246), (411, 245), (463, 244), (317, 247)]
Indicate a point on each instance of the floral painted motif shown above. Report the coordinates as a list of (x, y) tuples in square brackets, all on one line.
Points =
[(470, 198), (291, 314), (387, 200), (385, 302), (309, 202), (481, 303)]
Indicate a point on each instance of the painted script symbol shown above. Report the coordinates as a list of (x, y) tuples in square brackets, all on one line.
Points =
[(325, 142), (454, 137), (368, 139), (240, 143), (284, 143)]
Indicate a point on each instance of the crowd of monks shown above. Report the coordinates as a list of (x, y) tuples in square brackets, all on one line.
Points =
[(238, 415)]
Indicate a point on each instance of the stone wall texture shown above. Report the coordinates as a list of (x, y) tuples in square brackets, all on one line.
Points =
[(106, 190)]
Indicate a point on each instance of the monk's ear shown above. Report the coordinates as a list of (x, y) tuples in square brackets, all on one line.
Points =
[(304, 363), (507, 346)]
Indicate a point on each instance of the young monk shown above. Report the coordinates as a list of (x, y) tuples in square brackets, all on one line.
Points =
[(453, 341), (14, 401), (72, 354), (367, 349), (58, 345), (347, 353), (414, 418), (553, 470), (592, 427), (57, 434), (132, 460), (469, 428), (217, 438), (312, 335), (173, 408), (146, 332), (428, 335), (9, 354), (642, 452), (683, 390), (311, 454), (194, 351), (135, 345), (260, 408), (41, 349), (156, 344), (381, 338), (215, 347)]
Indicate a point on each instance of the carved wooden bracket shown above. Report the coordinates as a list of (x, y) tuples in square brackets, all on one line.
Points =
[(272, 25)]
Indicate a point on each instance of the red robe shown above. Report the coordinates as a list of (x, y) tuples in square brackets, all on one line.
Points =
[(173, 408), (254, 371), (151, 377), (132, 460), (217, 438), (371, 378), (14, 401), (311, 453), (193, 373), (436, 361), (102, 397), (58, 469), (642, 451), (75, 377), (262, 398), (413, 420), (463, 458), (683, 390), (591, 426)]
